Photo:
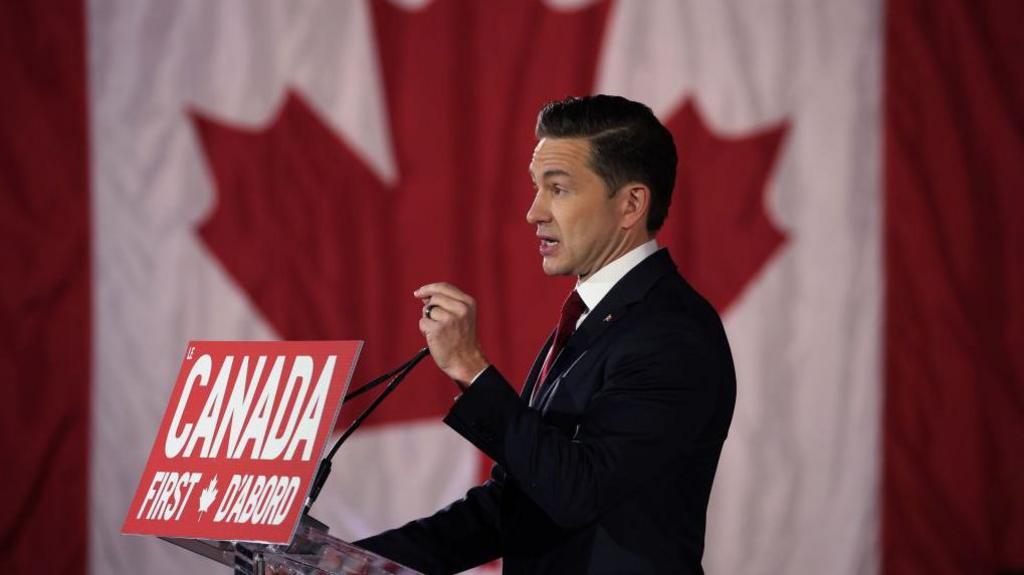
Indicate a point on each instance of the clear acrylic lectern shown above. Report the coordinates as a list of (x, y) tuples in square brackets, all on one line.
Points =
[(311, 552)]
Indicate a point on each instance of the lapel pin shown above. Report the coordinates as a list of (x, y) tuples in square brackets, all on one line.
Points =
[(608, 317)]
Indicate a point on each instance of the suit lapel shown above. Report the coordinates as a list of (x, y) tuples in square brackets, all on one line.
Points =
[(632, 288), (538, 362)]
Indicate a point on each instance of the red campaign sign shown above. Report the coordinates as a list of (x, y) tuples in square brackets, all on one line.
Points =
[(244, 431)]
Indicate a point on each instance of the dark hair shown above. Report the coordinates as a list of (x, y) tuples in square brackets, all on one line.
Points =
[(627, 144)]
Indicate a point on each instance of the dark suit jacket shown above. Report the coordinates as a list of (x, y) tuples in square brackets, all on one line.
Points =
[(611, 471)]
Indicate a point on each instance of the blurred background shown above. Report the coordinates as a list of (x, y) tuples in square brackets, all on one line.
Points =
[(850, 197)]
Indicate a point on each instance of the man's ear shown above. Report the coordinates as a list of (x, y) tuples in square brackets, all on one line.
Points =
[(636, 202)]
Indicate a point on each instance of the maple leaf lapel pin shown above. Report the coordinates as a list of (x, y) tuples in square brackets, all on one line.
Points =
[(207, 497)]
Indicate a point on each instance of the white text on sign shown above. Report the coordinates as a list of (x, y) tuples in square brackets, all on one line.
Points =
[(243, 423)]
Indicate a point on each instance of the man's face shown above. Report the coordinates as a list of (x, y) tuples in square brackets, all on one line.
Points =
[(578, 224)]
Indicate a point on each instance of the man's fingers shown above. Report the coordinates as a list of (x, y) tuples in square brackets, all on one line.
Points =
[(446, 289), (448, 304), (436, 313)]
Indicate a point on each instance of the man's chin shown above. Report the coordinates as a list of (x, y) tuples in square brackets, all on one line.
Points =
[(554, 269)]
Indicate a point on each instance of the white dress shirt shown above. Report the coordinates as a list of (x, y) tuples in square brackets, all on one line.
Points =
[(593, 289)]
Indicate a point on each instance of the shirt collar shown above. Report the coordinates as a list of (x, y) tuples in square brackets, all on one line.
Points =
[(593, 289)]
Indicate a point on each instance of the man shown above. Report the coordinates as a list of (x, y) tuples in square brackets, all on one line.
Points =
[(604, 462)]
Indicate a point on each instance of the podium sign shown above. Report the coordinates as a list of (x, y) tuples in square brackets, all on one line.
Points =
[(242, 437)]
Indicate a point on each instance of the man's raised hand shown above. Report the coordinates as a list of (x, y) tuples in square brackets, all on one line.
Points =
[(449, 325)]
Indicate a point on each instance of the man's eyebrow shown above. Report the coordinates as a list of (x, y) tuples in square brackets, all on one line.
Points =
[(549, 173), (555, 172)]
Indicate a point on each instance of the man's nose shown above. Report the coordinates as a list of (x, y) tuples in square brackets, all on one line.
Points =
[(538, 211)]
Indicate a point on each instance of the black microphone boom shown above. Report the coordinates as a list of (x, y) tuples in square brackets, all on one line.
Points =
[(398, 375), (379, 380)]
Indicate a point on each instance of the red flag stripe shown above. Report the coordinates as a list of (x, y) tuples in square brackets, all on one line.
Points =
[(45, 293), (953, 485)]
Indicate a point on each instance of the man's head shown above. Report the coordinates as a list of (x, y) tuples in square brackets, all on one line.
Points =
[(604, 168)]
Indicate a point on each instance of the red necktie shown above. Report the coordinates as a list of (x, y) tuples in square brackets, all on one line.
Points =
[(572, 309)]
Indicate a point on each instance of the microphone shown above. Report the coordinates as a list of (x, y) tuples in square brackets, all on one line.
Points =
[(396, 375)]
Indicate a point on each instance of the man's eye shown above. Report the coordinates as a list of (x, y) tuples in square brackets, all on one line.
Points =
[(558, 190)]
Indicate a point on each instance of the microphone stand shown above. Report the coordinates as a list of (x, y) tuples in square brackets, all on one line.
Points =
[(396, 375)]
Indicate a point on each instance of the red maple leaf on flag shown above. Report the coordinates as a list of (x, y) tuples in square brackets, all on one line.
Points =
[(717, 229), (326, 250)]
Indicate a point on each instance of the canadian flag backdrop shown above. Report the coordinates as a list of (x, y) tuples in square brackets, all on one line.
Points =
[(850, 197)]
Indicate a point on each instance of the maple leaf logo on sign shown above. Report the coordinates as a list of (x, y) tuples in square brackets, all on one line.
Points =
[(207, 497), (326, 249)]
